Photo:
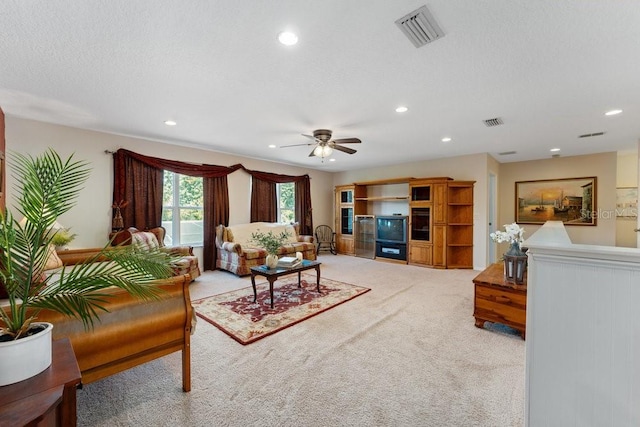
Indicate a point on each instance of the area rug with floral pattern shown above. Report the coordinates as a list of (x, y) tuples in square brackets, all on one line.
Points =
[(238, 316)]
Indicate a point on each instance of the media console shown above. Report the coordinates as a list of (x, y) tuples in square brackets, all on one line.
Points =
[(439, 230), (391, 250)]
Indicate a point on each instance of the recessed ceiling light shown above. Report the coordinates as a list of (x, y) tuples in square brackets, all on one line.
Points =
[(170, 122), (402, 109), (332, 159), (447, 139), (612, 112), (287, 38), (272, 145), (553, 150)]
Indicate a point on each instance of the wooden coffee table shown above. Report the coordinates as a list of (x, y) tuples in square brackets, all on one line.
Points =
[(272, 275)]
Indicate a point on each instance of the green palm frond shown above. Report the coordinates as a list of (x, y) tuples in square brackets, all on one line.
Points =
[(46, 187)]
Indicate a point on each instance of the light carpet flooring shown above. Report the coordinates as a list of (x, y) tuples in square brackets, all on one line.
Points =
[(405, 354)]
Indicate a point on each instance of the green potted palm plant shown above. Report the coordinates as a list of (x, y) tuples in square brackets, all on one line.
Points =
[(47, 187)]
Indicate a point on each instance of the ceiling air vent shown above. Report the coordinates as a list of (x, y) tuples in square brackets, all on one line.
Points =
[(506, 153), (420, 27), (493, 122), (589, 135)]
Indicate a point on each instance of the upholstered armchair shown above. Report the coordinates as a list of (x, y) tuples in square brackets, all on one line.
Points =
[(154, 238)]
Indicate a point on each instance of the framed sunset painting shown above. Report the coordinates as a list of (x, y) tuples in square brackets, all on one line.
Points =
[(570, 200)]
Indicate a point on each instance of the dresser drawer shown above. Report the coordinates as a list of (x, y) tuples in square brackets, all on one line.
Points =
[(500, 313), (502, 296), (501, 305)]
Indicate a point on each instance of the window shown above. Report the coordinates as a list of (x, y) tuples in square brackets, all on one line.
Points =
[(286, 202), (182, 209)]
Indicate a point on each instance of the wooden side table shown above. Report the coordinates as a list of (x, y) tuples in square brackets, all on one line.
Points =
[(47, 399), (498, 301)]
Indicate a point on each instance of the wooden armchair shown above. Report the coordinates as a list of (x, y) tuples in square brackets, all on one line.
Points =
[(325, 237)]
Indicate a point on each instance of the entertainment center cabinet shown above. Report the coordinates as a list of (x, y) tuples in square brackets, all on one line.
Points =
[(440, 219), (349, 203)]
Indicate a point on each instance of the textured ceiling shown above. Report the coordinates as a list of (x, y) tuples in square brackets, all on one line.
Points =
[(548, 68)]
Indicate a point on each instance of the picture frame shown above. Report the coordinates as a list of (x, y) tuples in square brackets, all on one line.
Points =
[(570, 200), (627, 202)]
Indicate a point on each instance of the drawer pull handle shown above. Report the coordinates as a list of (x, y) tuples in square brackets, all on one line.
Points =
[(502, 299)]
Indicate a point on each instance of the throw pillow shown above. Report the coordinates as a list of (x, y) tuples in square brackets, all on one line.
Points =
[(53, 260), (145, 240)]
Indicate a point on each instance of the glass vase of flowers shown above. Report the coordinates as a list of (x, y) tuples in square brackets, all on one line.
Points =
[(515, 260), (271, 242), (514, 235)]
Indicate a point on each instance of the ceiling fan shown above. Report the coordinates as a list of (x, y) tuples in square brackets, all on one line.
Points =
[(324, 145)]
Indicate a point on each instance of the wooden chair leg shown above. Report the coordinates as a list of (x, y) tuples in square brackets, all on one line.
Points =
[(186, 368)]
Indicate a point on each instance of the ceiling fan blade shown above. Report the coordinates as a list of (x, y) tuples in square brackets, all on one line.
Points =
[(312, 154), (309, 136), (295, 145), (347, 141), (343, 149)]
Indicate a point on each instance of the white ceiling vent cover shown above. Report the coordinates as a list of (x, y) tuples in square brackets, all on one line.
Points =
[(420, 27), (493, 122), (589, 135)]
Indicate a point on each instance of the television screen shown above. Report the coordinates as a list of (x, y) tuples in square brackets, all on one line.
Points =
[(391, 229)]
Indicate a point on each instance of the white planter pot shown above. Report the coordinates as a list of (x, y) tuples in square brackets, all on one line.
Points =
[(272, 261), (26, 357)]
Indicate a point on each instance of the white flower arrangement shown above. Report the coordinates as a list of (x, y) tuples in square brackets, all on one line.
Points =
[(513, 234)]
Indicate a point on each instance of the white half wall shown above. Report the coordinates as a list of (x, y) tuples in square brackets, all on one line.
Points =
[(583, 333)]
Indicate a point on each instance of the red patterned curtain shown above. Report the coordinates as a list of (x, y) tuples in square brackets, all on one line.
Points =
[(303, 206), (141, 186), (263, 201), (216, 211), (263, 198), (138, 180)]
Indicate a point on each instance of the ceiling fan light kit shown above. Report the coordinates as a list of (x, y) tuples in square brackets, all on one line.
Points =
[(322, 151), (324, 145)]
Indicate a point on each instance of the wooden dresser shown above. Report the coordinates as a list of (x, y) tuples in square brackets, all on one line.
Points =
[(498, 301)]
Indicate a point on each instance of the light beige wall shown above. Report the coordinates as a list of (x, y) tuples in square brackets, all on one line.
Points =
[(91, 218), (493, 167), (602, 166), (627, 176), (464, 168)]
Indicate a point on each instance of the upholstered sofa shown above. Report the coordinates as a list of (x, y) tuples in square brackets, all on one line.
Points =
[(154, 238), (237, 253)]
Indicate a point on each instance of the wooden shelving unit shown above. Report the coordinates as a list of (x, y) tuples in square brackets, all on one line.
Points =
[(348, 204), (440, 231), (460, 224), (427, 222), (383, 198)]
